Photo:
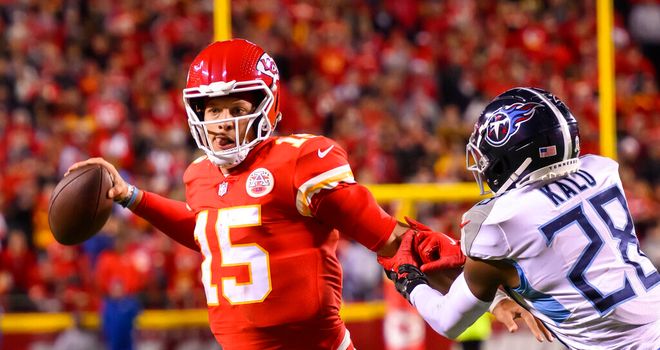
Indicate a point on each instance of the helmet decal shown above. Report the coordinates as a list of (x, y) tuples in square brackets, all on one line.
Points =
[(506, 121), (199, 66), (266, 65)]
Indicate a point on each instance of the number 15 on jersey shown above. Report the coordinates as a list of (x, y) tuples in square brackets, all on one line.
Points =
[(251, 255)]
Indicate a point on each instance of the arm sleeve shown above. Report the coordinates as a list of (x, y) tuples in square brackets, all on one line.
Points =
[(448, 314), (353, 210), (171, 217)]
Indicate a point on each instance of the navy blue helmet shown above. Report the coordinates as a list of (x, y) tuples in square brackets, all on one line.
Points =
[(523, 136)]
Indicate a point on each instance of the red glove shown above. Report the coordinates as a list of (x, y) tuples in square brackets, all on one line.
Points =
[(436, 250), (405, 254)]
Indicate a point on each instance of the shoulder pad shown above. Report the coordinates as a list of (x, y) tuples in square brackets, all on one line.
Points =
[(472, 221), (599, 162), (196, 168)]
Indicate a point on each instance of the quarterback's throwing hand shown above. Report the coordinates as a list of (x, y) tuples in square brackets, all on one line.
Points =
[(120, 188)]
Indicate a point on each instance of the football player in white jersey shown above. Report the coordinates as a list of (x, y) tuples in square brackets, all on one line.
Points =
[(557, 235)]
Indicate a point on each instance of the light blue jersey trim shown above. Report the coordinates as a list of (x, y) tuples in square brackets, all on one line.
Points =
[(545, 303)]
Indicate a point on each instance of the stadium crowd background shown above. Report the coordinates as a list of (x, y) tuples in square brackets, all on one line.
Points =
[(399, 84)]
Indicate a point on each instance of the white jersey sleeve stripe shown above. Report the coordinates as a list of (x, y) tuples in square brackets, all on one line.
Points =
[(327, 180), (346, 341)]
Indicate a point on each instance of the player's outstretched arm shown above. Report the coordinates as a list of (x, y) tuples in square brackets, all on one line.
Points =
[(448, 314), (468, 298), (169, 216)]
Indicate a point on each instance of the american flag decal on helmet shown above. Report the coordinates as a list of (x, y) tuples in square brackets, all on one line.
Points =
[(545, 152)]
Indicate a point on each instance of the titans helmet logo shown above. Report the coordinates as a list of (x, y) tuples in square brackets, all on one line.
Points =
[(505, 122)]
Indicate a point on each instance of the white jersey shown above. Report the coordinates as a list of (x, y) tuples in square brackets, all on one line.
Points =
[(574, 246)]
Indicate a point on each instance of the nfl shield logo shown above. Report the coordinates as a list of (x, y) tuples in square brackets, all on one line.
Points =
[(222, 189)]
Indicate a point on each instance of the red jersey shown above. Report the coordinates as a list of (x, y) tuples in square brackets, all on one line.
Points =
[(270, 272)]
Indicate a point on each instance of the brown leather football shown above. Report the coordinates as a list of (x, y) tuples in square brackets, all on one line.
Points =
[(79, 205)]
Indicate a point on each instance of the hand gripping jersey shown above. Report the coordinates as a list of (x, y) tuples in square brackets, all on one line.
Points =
[(270, 271), (574, 245)]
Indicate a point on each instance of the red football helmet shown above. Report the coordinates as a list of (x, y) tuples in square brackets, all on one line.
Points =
[(224, 68)]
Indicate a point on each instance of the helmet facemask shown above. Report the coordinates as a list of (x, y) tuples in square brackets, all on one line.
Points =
[(492, 172), (476, 163), (257, 120)]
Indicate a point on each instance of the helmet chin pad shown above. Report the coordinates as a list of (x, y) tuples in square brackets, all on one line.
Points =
[(243, 143), (228, 161)]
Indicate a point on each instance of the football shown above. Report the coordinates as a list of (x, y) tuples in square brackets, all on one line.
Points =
[(79, 205)]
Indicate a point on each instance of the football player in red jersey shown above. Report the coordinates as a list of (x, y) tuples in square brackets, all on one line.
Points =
[(265, 211)]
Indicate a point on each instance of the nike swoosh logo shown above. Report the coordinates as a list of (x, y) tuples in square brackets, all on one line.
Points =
[(322, 154)]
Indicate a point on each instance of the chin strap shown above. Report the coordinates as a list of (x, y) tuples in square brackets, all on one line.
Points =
[(514, 177)]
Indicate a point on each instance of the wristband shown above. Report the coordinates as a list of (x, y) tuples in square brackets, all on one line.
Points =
[(408, 278), (130, 198)]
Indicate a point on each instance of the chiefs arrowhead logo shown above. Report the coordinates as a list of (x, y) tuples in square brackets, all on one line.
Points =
[(266, 65)]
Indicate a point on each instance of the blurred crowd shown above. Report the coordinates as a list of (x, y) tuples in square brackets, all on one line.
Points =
[(399, 84)]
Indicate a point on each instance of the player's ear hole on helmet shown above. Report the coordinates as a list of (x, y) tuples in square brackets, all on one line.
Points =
[(198, 105), (255, 125)]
